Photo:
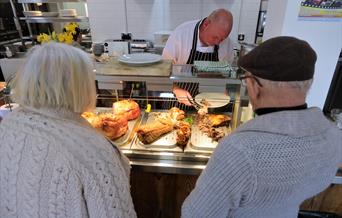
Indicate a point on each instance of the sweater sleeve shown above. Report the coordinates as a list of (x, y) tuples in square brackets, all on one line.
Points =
[(225, 184)]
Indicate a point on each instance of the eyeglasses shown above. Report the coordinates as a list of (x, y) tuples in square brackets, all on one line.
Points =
[(244, 77)]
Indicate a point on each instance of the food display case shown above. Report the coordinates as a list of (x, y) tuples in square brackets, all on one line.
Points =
[(155, 140)]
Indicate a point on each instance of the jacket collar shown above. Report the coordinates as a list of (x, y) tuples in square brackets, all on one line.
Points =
[(296, 123)]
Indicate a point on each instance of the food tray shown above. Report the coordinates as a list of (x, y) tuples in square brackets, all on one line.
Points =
[(200, 141), (131, 126), (166, 141)]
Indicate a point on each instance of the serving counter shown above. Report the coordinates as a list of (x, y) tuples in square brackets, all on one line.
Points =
[(162, 177), (155, 90)]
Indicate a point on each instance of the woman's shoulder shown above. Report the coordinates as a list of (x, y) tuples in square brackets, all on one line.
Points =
[(71, 133)]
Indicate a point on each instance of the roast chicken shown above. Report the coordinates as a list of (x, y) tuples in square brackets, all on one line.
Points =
[(110, 125), (114, 126), (217, 120), (183, 133), (128, 108)]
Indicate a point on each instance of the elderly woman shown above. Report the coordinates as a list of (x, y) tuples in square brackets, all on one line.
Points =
[(52, 162)]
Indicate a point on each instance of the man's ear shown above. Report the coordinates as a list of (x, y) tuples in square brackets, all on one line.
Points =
[(206, 23), (253, 89)]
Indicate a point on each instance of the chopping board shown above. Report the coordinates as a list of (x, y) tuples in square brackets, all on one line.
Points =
[(114, 67)]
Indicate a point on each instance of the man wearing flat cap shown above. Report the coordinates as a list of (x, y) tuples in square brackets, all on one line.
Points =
[(285, 155)]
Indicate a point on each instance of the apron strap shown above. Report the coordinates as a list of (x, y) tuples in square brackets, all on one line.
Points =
[(194, 44), (196, 55)]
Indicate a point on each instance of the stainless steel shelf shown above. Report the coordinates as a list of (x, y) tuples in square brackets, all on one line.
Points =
[(10, 41), (48, 1), (53, 19)]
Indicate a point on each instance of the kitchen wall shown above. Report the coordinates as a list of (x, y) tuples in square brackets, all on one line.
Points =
[(325, 36), (144, 17)]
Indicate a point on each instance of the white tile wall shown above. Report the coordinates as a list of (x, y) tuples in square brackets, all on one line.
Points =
[(107, 17)]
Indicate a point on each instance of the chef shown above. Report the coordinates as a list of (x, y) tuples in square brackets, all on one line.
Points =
[(200, 40)]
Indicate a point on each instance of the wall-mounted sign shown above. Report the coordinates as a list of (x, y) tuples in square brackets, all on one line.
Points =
[(321, 9)]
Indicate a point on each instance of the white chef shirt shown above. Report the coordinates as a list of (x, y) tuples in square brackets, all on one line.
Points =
[(179, 45)]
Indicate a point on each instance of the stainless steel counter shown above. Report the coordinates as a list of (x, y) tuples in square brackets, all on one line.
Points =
[(167, 162), (178, 163)]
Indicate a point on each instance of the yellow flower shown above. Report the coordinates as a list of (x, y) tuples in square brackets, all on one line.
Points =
[(46, 37), (61, 37), (42, 38), (68, 38), (71, 27)]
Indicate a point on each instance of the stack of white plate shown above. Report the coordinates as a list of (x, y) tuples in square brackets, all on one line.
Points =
[(68, 13), (32, 13)]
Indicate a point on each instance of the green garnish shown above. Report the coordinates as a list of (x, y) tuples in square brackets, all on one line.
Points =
[(189, 120)]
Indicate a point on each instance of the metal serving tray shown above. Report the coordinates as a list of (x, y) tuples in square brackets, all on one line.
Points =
[(200, 141), (166, 141)]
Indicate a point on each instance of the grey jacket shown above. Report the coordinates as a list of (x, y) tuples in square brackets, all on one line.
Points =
[(268, 166)]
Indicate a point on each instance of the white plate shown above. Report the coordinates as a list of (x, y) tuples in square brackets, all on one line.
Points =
[(139, 59), (215, 99)]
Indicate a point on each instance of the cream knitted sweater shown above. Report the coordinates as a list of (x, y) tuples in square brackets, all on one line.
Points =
[(268, 166), (54, 164)]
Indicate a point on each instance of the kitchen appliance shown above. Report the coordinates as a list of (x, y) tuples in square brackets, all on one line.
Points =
[(116, 47), (98, 49), (140, 45), (133, 46)]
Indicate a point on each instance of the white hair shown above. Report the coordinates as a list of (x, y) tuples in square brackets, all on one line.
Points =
[(303, 86), (56, 75)]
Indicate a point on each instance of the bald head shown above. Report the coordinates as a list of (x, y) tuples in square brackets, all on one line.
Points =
[(223, 18), (216, 27)]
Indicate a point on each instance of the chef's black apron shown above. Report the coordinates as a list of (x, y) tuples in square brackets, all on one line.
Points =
[(195, 55)]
